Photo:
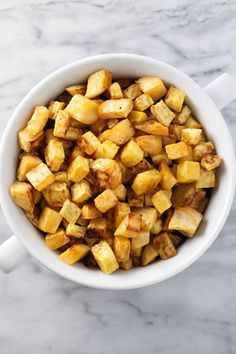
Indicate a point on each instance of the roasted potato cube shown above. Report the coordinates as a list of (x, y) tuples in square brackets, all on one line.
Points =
[(54, 107), (81, 192), (164, 246), (119, 134), (191, 136), (76, 89), (162, 113), (120, 192), (131, 154), (105, 257), (40, 177), (135, 200), (54, 155), (207, 179), (115, 91), (70, 211), (125, 172), (168, 180), (148, 200), (210, 162), (176, 240), (176, 151), (98, 82), (89, 143), (149, 217), (149, 254), (176, 130), (175, 99), (157, 227), (183, 195), (188, 171), (121, 211), (30, 144), (78, 169), (27, 163), (153, 86), (56, 194), (121, 248), (37, 122), (112, 122), (146, 182), (115, 108), (49, 220), (57, 239), (22, 195), (130, 225), (108, 173), (126, 265), (105, 201), (74, 254), (188, 157), (98, 126), (132, 91), (89, 211), (83, 109), (98, 225), (162, 156), (183, 115), (136, 252), (152, 144), (201, 149), (143, 102), (140, 240), (161, 201), (152, 127), (37, 196), (185, 220), (61, 176), (137, 116), (72, 134), (62, 123), (76, 231), (106, 150), (192, 123)]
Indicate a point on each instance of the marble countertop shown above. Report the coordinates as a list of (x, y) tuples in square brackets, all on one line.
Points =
[(191, 313)]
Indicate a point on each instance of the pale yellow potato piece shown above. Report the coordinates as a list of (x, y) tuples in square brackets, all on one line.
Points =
[(127, 264), (149, 217), (105, 257), (49, 220), (76, 231), (153, 86), (142, 239), (72, 134), (57, 239), (22, 195), (115, 108), (105, 201), (37, 122), (185, 220), (161, 157), (175, 99), (168, 179), (98, 126), (137, 116), (188, 171), (149, 254), (99, 225), (157, 227), (135, 200), (122, 132), (143, 102), (161, 201), (182, 117), (162, 113), (88, 143), (130, 225), (89, 211), (164, 246), (121, 211), (40, 177), (210, 162), (146, 182), (115, 91), (152, 127), (27, 163), (56, 194), (112, 122), (61, 176), (176, 151), (98, 82), (76, 89), (54, 155), (131, 154), (152, 144), (83, 109), (176, 130), (191, 135), (107, 172), (54, 107), (62, 123), (70, 211), (37, 196), (80, 192), (78, 169), (207, 179), (120, 192), (74, 254), (121, 248), (201, 149), (188, 157), (192, 123), (132, 91), (106, 150), (29, 144)]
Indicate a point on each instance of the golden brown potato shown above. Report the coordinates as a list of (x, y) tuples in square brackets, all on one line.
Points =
[(62, 123), (37, 122), (152, 144), (210, 162), (143, 102), (131, 154), (119, 134), (201, 149), (78, 169), (135, 200), (207, 179), (106, 150), (168, 179), (105, 201), (137, 116), (89, 211), (176, 151), (115, 108), (98, 82), (182, 117), (22, 195), (105, 257), (83, 109), (27, 163), (74, 253), (149, 254), (142, 239), (120, 192), (146, 181), (40, 177), (188, 171), (108, 173), (162, 113), (88, 143), (56, 240), (191, 136), (54, 155), (76, 231), (152, 127), (29, 144), (56, 194), (70, 211), (161, 201), (185, 220), (157, 227), (130, 225), (153, 86), (121, 248), (121, 211), (76, 89), (175, 99), (149, 217), (132, 91), (54, 107), (49, 220), (164, 246), (115, 91), (80, 192)]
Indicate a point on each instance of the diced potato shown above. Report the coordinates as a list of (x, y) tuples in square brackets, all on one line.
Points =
[(72, 134), (130, 226), (115, 108), (192, 123), (143, 102), (54, 107), (176, 151), (121, 248), (76, 231), (27, 163), (54, 155), (105, 201), (30, 144), (152, 144), (106, 150), (56, 194), (37, 196), (98, 126), (207, 179), (137, 116), (135, 200), (83, 109), (56, 240), (188, 171), (191, 136), (201, 149), (188, 157), (175, 99), (112, 122), (115, 91), (125, 172), (74, 254), (61, 176), (148, 200), (185, 220), (183, 115), (164, 246), (121, 211), (162, 156), (76, 152), (140, 240), (89, 143), (98, 82), (149, 217), (105, 257), (157, 227), (62, 123), (70, 211), (133, 91), (146, 182), (176, 240), (152, 86), (76, 89), (89, 211), (40, 177), (80, 192), (131, 154), (78, 169), (176, 130), (49, 220), (22, 195), (119, 134), (37, 122), (98, 225), (149, 254), (152, 127), (168, 180), (126, 265), (162, 113), (108, 173), (161, 201), (182, 195), (120, 192), (136, 252), (210, 162)]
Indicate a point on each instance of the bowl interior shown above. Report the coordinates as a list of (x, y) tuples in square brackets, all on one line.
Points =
[(122, 66)]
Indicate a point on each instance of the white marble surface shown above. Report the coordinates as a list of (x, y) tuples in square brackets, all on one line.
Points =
[(195, 311)]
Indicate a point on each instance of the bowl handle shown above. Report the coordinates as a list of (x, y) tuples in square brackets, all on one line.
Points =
[(222, 90), (12, 254)]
